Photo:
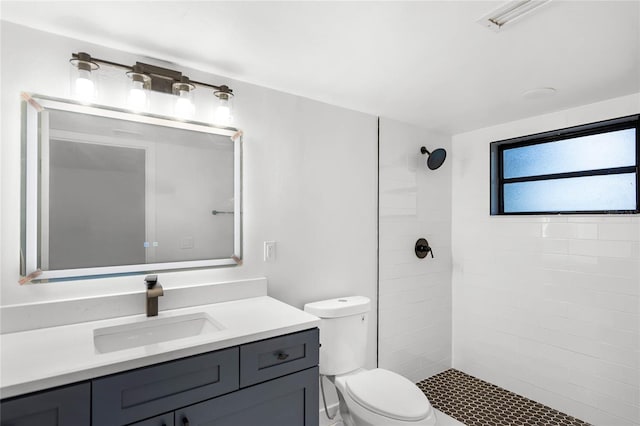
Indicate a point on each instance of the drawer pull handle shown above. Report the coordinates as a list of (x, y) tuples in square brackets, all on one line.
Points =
[(282, 356), (185, 421)]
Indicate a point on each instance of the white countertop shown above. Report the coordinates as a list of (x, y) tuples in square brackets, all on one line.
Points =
[(47, 357)]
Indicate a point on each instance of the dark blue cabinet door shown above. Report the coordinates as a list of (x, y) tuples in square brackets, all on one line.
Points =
[(67, 406), (164, 420), (288, 401)]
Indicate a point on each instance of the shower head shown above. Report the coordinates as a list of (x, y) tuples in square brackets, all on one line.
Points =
[(435, 158)]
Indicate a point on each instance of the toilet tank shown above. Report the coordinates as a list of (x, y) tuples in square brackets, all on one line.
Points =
[(343, 333)]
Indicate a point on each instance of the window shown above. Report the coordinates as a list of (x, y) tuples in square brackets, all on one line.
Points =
[(591, 168)]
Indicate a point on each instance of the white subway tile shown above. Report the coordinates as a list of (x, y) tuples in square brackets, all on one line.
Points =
[(627, 268), (398, 257), (552, 307), (605, 317), (583, 247), (579, 263), (601, 218), (618, 302), (553, 246), (606, 369), (400, 201), (519, 229), (606, 283), (620, 338), (570, 230), (555, 261), (623, 391), (619, 231), (620, 355), (395, 285), (615, 249), (395, 359), (629, 412)]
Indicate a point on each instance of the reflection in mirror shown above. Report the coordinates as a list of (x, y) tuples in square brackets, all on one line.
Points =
[(110, 192)]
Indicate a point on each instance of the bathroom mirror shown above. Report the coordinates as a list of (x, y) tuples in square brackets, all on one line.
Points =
[(107, 191)]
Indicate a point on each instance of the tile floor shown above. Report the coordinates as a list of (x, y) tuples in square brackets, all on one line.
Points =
[(475, 402)]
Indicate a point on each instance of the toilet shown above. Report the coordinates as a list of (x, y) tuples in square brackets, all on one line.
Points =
[(376, 397)]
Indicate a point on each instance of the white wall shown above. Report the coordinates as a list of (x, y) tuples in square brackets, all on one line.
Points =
[(546, 306), (310, 180), (415, 294)]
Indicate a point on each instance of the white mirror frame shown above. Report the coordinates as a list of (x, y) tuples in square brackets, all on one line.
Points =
[(38, 103)]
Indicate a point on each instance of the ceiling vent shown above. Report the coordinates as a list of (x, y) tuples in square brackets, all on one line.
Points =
[(509, 12)]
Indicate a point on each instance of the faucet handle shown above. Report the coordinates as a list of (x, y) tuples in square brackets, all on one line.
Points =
[(151, 280)]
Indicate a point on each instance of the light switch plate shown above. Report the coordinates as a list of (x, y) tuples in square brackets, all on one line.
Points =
[(269, 251)]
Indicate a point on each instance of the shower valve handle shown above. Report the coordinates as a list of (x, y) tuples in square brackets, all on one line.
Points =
[(422, 248)]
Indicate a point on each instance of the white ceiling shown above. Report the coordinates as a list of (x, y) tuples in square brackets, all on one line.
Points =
[(427, 63)]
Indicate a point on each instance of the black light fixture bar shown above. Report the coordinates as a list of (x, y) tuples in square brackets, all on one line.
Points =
[(162, 79)]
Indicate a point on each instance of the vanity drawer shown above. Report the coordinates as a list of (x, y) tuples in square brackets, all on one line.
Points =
[(128, 397), (66, 406), (271, 358)]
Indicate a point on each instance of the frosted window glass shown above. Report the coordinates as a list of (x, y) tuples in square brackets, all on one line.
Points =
[(588, 193), (600, 151)]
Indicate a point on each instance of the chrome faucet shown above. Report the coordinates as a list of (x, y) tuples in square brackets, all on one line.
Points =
[(154, 290)]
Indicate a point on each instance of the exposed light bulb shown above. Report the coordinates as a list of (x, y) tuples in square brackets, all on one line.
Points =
[(137, 96), (84, 85), (222, 115), (184, 107)]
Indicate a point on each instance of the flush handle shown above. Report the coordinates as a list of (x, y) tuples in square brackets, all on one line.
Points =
[(185, 421), (282, 356)]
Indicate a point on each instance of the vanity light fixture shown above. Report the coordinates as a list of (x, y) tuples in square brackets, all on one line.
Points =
[(83, 85), (145, 78), (223, 115), (139, 85), (183, 89)]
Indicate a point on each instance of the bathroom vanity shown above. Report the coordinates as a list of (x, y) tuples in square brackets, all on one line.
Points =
[(260, 367)]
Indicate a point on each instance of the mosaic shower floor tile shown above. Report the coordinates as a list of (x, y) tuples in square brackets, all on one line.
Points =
[(475, 402)]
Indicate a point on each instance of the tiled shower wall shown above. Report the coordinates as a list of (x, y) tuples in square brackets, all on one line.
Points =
[(415, 294), (546, 306)]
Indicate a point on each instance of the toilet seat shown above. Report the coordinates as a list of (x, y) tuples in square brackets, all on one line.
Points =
[(388, 394)]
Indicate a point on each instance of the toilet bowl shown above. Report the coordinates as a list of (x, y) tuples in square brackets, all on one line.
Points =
[(375, 397), (380, 397)]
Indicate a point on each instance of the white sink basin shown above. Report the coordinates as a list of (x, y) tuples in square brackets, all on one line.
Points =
[(153, 330)]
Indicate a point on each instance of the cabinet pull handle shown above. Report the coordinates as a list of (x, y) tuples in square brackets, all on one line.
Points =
[(185, 421), (282, 356)]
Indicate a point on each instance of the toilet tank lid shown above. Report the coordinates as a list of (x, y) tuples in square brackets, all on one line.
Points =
[(339, 307)]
